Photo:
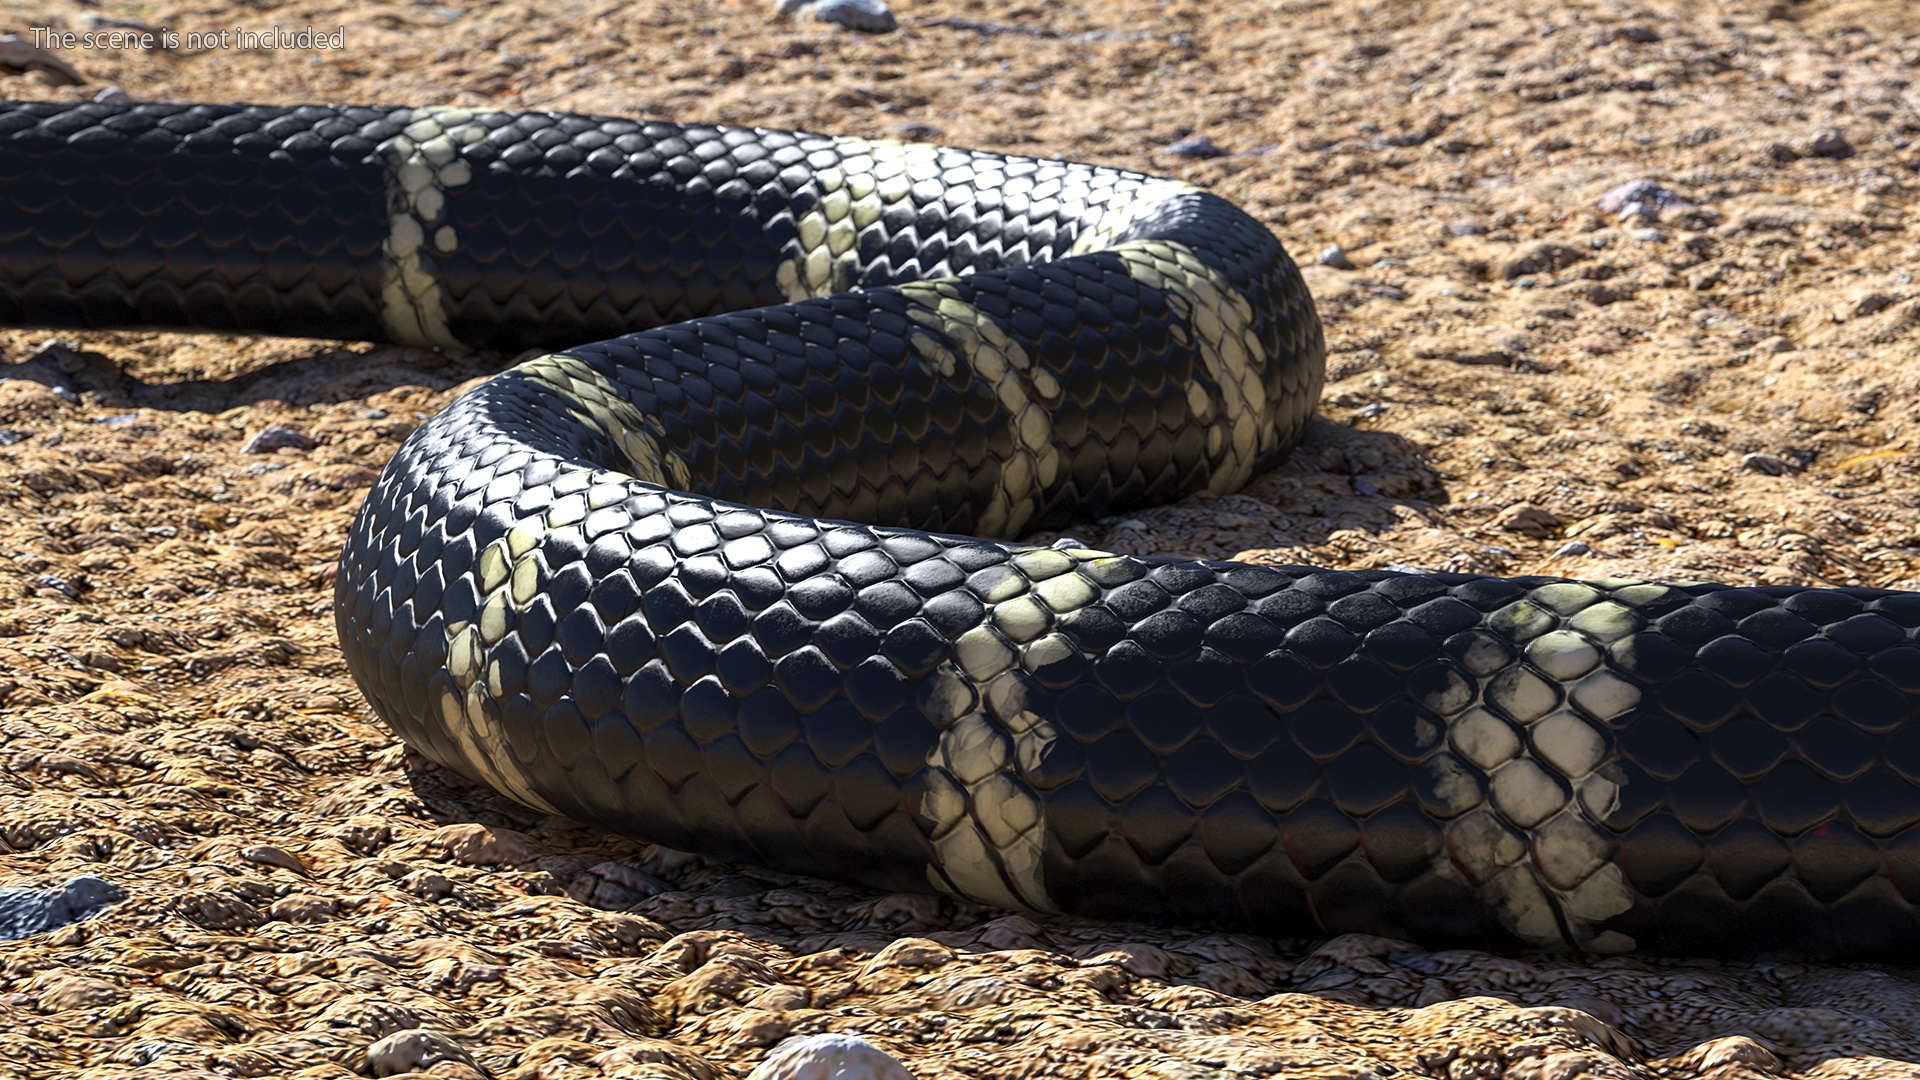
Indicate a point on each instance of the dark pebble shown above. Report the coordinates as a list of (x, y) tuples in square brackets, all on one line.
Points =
[(1200, 147), (275, 438), (26, 912)]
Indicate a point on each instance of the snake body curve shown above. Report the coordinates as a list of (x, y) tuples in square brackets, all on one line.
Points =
[(706, 584)]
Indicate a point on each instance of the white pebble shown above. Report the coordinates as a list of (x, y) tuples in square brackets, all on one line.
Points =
[(871, 16), (413, 1050), (829, 1057)]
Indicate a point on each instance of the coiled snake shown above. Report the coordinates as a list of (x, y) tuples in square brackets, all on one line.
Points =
[(622, 583)]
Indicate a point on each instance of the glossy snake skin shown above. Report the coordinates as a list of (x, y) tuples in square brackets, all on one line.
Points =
[(708, 581)]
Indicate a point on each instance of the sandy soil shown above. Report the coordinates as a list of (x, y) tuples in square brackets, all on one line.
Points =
[(1520, 383)]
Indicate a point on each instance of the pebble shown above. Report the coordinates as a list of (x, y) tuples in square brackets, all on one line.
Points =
[(274, 438), (1830, 144), (413, 1050), (1638, 211), (1572, 547), (1780, 153), (60, 585), (1466, 228), (829, 1057), (1539, 257), (1199, 147), (615, 886), (869, 16), (26, 912), (268, 855), (1336, 257), (19, 54), (914, 129), (1648, 193), (1770, 464), (113, 95), (1774, 344)]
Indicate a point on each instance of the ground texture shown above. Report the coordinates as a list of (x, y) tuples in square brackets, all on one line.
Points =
[(1520, 382)]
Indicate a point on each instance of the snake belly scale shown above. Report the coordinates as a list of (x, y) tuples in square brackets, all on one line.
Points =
[(707, 574)]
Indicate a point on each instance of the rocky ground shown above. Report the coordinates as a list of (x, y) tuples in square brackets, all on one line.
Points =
[(1715, 386)]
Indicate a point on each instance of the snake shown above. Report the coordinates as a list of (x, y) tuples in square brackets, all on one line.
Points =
[(731, 566)]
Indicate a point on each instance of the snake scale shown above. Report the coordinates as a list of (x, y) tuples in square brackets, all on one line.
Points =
[(711, 580)]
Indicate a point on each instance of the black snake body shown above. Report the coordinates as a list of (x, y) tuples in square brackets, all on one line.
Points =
[(620, 582)]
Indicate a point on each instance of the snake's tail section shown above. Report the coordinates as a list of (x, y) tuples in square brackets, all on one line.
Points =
[(618, 582)]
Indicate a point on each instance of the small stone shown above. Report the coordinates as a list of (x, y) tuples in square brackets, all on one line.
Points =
[(1336, 257), (868, 16), (427, 883), (19, 54), (303, 908), (1774, 344), (1199, 147), (1540, 257), (1730, 1053), (113, 95), (1861, 304), (58, 584), (1781, 154), (413, 1050), (916, 130), (26, 912), (613, 886), (274, 438), (1529, 520), (1639, 35), (268, 855), (1571, 547), (1830, 144), (1770, 464), (1648, 193), (829, 1057), (474, 844), (1638, 211), (1466, 228), (66, 992)]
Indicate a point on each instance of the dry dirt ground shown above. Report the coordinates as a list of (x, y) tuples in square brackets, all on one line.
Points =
[(1519, 383)]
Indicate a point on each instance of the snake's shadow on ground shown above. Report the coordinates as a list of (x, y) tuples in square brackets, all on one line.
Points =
[(312, 373)]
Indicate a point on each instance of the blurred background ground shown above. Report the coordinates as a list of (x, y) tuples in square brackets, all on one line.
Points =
[(1520, 382)]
